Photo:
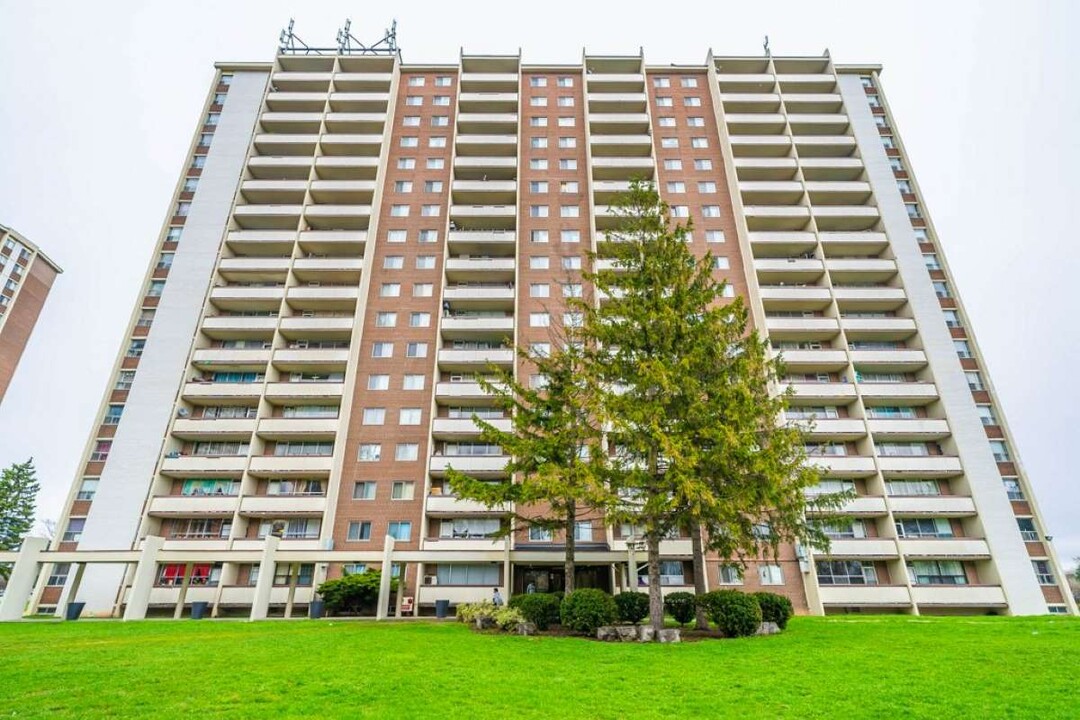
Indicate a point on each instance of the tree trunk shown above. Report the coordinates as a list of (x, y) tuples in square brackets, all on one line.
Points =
[(656, 594), (568, 563), (702, 622)]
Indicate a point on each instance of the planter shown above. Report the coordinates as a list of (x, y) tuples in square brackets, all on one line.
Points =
[(73, 610), (442, 608), (316, 609), (198, 610)]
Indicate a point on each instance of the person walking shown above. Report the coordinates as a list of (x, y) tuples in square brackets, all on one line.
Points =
[(496, 597)]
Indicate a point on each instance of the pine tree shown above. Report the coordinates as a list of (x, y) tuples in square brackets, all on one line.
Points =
[(18, 493), (686, 400)]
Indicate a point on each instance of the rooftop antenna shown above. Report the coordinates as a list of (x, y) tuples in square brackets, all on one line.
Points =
[(768, 52), (290, 44), (347, 44)]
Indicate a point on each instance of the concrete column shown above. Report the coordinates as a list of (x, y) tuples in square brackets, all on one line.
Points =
[(294, 575), (71, 587), (143, 582), (185, 583), (508, 572), (260, 604), (384, 581), (21, 582)]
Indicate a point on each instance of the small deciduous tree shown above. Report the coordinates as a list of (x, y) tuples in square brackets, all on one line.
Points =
[(18, 496), (355, 594)]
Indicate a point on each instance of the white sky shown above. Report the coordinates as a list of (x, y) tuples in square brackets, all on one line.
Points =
[(98, 102)]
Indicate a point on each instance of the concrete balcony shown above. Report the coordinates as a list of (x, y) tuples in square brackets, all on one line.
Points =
[(864, 506), (481, 544), (504, 215), (298, 325), (743, 146), (472, 360), (854, 243), (262, 242), (199, 391), (887, 328), (290, 122), (759, 123), (770, 192), (359, 101), (281, 144), (844, 466), (304, 357), (831, 168), (776, 217), (464, 328), (863, 548), (350, 122), (909, 429), (189, 505), (461, 393), (749, 102), (815, 360), (617, 102), (486, 145), (958, 595), (318, 466), (449, 505), (283, 505), (333, 242), (274, 192), (496, 296), (813, 102), (917, 393), (293, 428), (283, 392), (324, 297), (622, 168), (362, 81), (239, 269), (278, 101), (806, 82), (901, 360), (824, 145), (330, 269), (950, 548), (225, 356), (463, 428), (776, 271), (225, 327), (612, 123), (834, 429), (247, 298), (203, 466), (241, 596), (482, 241), (474, 81), (349, 192), (751, 168), (804, 123), (494, 123), (869, 299), (338, 217), (865, 595), (493, 102), (925, 466), (838, 192), (478, 466), (810, 328), (267, 217), (492, 269), (614, 82), (295, 81), (621, 145), (491, 168), (345, 167), (213, 429), (942, 505), (352, 144), (795, 298), (828, 392), (484, 192), (746, 83), (845, 217)]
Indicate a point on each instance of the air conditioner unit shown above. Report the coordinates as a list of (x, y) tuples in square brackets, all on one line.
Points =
[(431, 579)]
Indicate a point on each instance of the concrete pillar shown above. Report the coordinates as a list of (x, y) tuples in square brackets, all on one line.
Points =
[(21, 581), (185, 583), (508, 572), (71, 587), (143, 581), (294, 575), (384, 581), (260, 604)]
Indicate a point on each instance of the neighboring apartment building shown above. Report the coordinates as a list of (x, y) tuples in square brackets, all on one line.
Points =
[(26, 276), (354, 240)]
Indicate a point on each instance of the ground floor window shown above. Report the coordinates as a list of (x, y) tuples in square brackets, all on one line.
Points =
[(465, 574)]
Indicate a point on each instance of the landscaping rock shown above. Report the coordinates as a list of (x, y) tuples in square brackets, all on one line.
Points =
[(645, 633), (607, 633), (627, 633), (526, 628), (670, 635), (485, 623), (768, 628)]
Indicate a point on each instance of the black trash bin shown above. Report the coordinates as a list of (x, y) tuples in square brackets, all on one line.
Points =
[(442, 608), (198, 610), (316, 609), (73, 610)]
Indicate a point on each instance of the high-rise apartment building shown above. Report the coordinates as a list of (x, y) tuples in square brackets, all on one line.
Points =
[(26, 276), (354, 240)]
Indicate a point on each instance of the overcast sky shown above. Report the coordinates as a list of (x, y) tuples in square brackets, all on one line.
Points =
[(98, 102)]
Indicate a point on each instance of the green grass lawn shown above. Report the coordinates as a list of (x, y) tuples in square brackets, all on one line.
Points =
[(821, 667)]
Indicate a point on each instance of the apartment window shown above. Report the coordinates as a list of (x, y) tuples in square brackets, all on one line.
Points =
[(74, 530), (538, 186), (538, 121), (568, 164), (539, 290), (539, 349), (359, 531), (390, 290), (569, 211), (539, 534), (710, 211), (442, 81), (433, 186), (539, 319), (435, 163), (538, 164), (566, 101), (703, 164), (669, 143), (538, 102), (425, 262), (416, 81), (413, 382), (941, 289), (680, 211), (173, 235), (845, 572), (538, 236), (568, 186), (692, 101), (428, 236), (374, 416), (135, 349), (676, 187), (429, 211), (665, 102), (423, 289), (112, 415), (409, 416), (695, 122), (414, 100), (386, 319), (570, 236), (406, 163), (369, 452), (213, 118), (401, 530), (405, 452), (567, 142), (565, 82), (416, 350), (538, 143), (666, 122), (410, 142), (924, 528), (538, 211), (931, 260), (399, 211), (706, 187), (182, 209), (87, 489), (441, 100), (721, 263), (378, 382), (538, 262), (573, 319), (403, 186), (962, 348), (363, 491), (199, 161), (911, 488), (1043, 572), (419, 319), (571, 290), (571, 263), (382, 350), (770, 575), (437, 142), (1027, 529), (402, 490), (661, 82), (396, 236), (937, 572), (190, 184), (537, 82), (583, 531), (688, 82), (986, 414), (888, 142), (974, 380), (731, 575), (566, 122), (1013, 488), (699, 142), (59, 575)]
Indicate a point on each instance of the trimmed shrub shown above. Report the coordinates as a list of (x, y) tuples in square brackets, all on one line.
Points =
[(585, 610), (507, 618), (468, 612), (633, 606), (774, 608), (353, 594), (682, 606), (734, 613), (542, 609)]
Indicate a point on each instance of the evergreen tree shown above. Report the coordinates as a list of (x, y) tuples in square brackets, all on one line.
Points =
[(18, 494)]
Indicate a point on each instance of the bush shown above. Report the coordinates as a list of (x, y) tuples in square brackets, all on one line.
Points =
[(541, 609), (734, 613), (355, 594), (633, 607), (507, 618), (682, 606), (468, 612), (583, 611), (774, 608)]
